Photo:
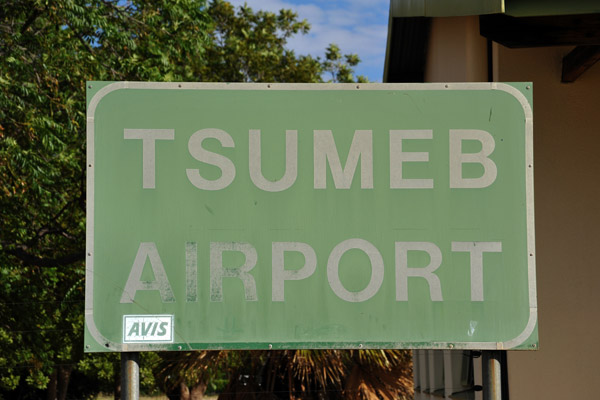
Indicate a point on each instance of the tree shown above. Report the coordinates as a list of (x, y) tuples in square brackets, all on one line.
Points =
[(340, 68), (288, 374), (186, 376), (248, 46), (48, 50)]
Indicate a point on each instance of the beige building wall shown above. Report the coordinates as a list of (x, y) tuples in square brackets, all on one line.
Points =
[(567, 204), (567, 210), (457, 52)]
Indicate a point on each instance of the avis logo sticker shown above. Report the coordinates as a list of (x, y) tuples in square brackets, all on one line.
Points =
[(147, 328)]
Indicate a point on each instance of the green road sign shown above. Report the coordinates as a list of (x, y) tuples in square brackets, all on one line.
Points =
[(251, 216)]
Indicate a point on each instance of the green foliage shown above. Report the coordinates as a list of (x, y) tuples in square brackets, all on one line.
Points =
[(48, 50), (209, 369), (248, 46), (103, 371), (340, 67)]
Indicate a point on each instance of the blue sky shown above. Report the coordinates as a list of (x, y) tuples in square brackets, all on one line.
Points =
[(356, 26)]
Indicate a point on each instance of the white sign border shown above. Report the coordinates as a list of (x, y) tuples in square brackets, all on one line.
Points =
[(111, 87)]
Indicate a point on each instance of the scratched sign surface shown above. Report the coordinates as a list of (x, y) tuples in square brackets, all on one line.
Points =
[(309, 216)]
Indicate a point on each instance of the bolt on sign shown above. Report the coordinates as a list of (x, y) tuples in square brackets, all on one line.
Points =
[(251, 216)]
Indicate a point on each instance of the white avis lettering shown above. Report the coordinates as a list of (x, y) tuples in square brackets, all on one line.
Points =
[(147, 328)]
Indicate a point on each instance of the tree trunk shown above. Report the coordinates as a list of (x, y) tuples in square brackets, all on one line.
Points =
[(197, 392), (117, 387), (52, 386), (64, 375), (184, 392)]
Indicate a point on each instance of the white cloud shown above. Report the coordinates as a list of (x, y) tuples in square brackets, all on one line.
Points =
[(310, 12)]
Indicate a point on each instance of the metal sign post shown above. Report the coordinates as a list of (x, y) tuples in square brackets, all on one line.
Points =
[(492, 375), (130, 376)]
